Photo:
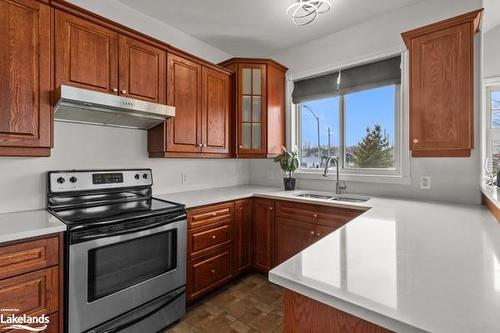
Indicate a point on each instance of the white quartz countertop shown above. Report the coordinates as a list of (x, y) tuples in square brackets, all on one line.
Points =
[(408, 266), (20, 225)]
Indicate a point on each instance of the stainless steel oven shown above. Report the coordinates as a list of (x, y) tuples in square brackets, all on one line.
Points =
[(125, 259)]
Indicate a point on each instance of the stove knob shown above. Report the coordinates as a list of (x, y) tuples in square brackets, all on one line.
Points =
[(61, 180), (73, 179), (137, 176), (145, 176)]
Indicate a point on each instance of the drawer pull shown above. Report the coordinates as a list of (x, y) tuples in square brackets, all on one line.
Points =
[(213, 237), (318, 234), (312, 232), (213, 271), (214, 214), (270, 208), (315, 216)]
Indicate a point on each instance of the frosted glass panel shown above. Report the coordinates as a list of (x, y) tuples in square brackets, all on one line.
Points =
[(247, 81), (247, 108), (256, 108), (256, 136), (246, 136), (256, 81)]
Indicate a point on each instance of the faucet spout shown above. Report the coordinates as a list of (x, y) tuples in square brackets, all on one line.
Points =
[(339, 187)]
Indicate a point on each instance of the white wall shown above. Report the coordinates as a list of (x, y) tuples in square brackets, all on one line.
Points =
[(23, 180), (453, 179), (134, 19), (491, 53)]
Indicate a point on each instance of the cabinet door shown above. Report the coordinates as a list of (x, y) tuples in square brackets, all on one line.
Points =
[(441, 109), (184, 92), (242, 235), (25, 85), (252, 109), (263, 234), (292, 237), (142, 70), (215, 111), (86, 54)]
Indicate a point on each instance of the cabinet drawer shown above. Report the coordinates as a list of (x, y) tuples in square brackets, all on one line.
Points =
[(203, 240), (33, 293), (28, 256), (330, 216), (208, 272), (210, 214)]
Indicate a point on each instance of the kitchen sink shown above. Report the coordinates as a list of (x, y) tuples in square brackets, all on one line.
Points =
[(343, 198), (315, 196)]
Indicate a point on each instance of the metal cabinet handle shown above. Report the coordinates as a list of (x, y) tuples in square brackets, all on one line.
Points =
[(214, 237), (213, 271), (115, 89), (312, 232), (270, 208), (204, 145), (124, 91), (214, 214), (315, 216), (416, 140), (318, 234)]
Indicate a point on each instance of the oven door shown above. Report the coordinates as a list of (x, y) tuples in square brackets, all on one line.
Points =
[(111, 275)]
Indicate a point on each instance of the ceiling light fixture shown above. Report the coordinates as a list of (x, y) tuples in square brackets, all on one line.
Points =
[(307, 11)]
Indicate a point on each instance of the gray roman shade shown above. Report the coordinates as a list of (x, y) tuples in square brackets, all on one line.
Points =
[(375, 74)]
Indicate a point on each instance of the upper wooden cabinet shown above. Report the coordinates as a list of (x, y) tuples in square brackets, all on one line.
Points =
[(259, 106), (26, 84), (201, 126), (441, 87), (94, 57)]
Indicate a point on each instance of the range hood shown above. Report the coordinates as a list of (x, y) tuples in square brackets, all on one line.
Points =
[(77, 105)]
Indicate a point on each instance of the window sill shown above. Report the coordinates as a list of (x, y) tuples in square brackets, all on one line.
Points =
[(364, 178)]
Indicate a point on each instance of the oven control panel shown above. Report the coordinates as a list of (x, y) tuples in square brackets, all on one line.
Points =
[(69, 181)]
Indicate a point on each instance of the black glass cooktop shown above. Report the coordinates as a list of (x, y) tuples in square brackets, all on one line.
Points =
[(120, 210)]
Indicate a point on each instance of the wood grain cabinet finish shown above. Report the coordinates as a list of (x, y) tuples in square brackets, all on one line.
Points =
[(209, 215), (258, 106), (205, 239), (242, 235), (86, 54), (142, 70), (26, 84), (263, 256), (201, 126), (441, 87), (91, 56), (28, 256)]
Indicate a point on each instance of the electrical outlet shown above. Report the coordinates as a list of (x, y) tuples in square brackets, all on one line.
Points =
[(425, 182), (184, 178)]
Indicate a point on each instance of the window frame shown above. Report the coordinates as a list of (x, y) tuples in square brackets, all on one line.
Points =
[(400, 174), (492, 134)]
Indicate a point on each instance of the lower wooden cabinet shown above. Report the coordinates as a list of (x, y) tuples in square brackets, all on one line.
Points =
[(263, 234), (30, 279), (242, 235)]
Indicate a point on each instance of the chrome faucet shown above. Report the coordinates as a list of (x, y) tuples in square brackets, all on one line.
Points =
[(340, 186)]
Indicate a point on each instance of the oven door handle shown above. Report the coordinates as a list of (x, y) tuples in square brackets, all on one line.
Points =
[(124, 232), (120, 327)]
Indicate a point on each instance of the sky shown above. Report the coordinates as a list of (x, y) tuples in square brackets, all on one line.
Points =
[(363, 109)]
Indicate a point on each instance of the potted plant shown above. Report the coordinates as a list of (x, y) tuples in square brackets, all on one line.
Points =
[(289, 162)]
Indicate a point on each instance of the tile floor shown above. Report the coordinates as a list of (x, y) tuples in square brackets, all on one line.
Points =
[(249, 304)]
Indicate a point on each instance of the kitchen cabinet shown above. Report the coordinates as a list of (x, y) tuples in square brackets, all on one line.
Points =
[(209, 247), (30, 278), (26, 72), (441, 68), (242, 235), (291, 238), (201, 125), (91, 56), (263, 232), (259, 107)]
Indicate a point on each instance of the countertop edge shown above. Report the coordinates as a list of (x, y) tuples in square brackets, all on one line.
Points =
[(19, 236), (343, 305)]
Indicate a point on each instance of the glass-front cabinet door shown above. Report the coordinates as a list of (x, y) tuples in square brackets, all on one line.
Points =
[(252, 109)]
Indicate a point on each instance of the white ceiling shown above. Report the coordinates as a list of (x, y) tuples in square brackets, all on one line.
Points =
[(258, 27)]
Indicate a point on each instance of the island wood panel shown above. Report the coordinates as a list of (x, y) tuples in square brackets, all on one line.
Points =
[(142, 70), (86, 54), (242, 235), (441, 87), (491, 206), (263, 234), (26, 84), (215, 129), (303, 314)]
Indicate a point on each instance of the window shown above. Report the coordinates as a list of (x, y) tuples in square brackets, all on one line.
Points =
[(356, 119), (493, 132)]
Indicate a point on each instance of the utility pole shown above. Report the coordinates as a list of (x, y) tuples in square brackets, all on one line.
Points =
[(329, 139), (317, 124)]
